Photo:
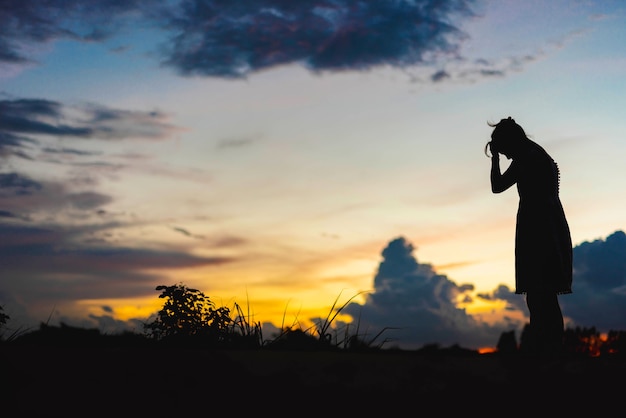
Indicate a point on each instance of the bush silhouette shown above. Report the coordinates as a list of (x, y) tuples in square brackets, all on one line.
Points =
[(189, 314)]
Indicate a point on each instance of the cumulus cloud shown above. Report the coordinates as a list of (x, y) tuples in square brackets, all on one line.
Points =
[(599, 286), (415, 306), (514, 302), (419, 306)]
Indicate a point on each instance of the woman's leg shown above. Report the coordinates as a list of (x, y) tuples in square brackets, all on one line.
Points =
[(546, 323)]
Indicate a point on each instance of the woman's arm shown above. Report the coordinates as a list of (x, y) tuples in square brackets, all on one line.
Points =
[(501, 182)]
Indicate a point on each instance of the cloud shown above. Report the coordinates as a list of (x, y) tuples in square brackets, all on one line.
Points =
[(234, 143), (6, 214), (513, 301), (27, 198), (55, 265), (69, 151), (14, 184), (108, 123), (599, 286), (186, 233), (30, 22), (88, 200), (418, 305), (234, 39), (36, 116), (108, 324), (26, 123), (57, 253), (598, 297)]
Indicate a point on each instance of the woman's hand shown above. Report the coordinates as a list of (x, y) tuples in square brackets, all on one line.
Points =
[(492, 154)]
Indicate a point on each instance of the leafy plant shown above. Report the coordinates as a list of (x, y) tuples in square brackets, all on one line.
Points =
[(188, 313)]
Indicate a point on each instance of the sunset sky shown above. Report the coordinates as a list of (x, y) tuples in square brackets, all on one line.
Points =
[(285, 155)]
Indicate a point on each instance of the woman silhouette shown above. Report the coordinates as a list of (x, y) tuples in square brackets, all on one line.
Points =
[(543, 245)]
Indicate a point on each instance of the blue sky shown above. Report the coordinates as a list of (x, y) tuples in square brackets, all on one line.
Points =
[(282, 155)]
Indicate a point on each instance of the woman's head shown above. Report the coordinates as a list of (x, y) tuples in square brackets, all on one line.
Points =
[(506, 138)]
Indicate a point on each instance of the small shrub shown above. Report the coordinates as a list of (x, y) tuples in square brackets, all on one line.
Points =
[(190, 317), (188, 313)]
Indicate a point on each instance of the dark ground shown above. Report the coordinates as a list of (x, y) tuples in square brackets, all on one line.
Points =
[(176, 382)]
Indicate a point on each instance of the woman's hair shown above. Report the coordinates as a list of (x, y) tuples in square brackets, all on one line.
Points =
[(505, 130)]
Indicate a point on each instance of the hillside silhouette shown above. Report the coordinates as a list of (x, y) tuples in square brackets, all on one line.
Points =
[(184, 363), (63, 371)]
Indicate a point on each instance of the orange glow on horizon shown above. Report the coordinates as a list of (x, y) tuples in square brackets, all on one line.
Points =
[(123, 309)]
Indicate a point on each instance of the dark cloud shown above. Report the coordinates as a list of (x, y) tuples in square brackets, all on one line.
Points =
[(182, 231), (69, 151), (186, 233), (14, 184), (108, 324), (88, 200), (6, 214), (35, 116), (54, 259), (439, 76), (234, 39), (54, 265), (25, 197), (418, 305), (24, 123), (599, 286), (601, 264), (27, 22), (111, 123), (514, 302)]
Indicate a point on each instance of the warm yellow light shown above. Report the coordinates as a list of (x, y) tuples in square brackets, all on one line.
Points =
[(123, 309)]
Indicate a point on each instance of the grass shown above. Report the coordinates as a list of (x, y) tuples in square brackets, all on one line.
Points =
[(190, 318), (200, 322)]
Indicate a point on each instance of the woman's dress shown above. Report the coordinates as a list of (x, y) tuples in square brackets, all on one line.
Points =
[(543, 245)]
